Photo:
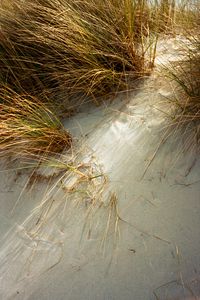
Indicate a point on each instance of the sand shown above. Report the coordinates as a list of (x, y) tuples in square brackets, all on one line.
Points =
[(71, 254)]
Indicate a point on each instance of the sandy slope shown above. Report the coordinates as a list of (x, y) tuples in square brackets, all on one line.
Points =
[(157, 253)]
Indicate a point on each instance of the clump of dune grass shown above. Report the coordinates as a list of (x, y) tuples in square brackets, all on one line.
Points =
[(185, 74), (28, 128), (84, 49)]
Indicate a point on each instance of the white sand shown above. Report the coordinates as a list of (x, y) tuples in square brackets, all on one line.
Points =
[(157, 253)]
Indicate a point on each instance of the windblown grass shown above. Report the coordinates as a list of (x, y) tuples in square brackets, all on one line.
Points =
[(86, 49), (28, 128), (174, 17), (186, 16), (185, 73)]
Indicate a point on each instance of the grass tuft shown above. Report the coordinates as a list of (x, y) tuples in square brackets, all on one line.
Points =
[(28, 128)]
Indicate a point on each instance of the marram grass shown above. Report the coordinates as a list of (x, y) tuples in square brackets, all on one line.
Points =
[(185, 74), (28, 128), (88, 49)]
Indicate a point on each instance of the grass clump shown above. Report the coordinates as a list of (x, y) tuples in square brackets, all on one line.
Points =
[(185, 74), (88, 49), (28, 128)]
